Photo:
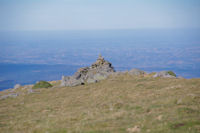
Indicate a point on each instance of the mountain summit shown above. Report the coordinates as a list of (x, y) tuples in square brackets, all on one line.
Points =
[(125, 102)]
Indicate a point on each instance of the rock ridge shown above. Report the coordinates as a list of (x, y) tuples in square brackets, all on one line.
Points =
[(99, 70)]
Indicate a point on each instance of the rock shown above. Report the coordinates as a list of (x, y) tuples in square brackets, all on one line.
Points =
[(136, 72), (26, 87), (90, 80), (17, 86), (165, 74), (135, 129), (100, 76), (97, 77), (179, 102), (71, 81), (12, 95), (159, 117), (99, 70), (30, 91), (63, 81)]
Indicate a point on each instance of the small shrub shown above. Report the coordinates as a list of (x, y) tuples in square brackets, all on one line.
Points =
[(42, 84), (171, 73)]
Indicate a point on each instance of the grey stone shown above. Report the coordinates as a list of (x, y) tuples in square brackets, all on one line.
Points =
[(97, 77), (12, 95), (71, 81), (136, 72), (179, 101), (30, 91), (163, 74), (17, 86), (99, 70), (90, 80)]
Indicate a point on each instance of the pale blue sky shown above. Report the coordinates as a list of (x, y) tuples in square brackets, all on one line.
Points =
[(98, 14)]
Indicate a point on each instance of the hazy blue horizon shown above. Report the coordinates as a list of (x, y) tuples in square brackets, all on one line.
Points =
[(26, 57)]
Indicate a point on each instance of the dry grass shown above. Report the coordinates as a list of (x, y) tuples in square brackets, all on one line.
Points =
[(119, 104)]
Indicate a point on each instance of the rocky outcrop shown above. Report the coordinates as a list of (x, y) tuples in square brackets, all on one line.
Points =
[(165, 74), (136, 72), (99, 70), (17, 86)]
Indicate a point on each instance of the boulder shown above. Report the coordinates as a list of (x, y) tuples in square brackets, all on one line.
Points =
[(71, 81), (97, 77), (99, 70), (165, 74), (136, 72)]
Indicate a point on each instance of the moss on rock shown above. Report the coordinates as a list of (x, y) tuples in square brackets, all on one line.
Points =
[(171, 73), (42, 84)]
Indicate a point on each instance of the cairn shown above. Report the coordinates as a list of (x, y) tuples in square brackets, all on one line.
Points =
[(99, 70)]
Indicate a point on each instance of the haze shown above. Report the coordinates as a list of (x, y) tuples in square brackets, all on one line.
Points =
[(98, 14)]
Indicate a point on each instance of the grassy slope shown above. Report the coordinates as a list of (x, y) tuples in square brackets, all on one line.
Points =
[(117, 105)]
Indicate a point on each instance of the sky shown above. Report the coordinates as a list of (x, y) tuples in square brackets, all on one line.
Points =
[(98, 14)]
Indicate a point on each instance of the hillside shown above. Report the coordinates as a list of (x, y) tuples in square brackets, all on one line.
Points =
[(119, 104)]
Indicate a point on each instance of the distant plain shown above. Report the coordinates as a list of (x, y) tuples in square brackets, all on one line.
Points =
[(29, 56)]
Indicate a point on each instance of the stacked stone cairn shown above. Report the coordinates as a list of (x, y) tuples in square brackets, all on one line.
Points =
[(99, 70)]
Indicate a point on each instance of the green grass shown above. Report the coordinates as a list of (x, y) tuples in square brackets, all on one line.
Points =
[(119, 103), (42, 84), (171, 73)]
